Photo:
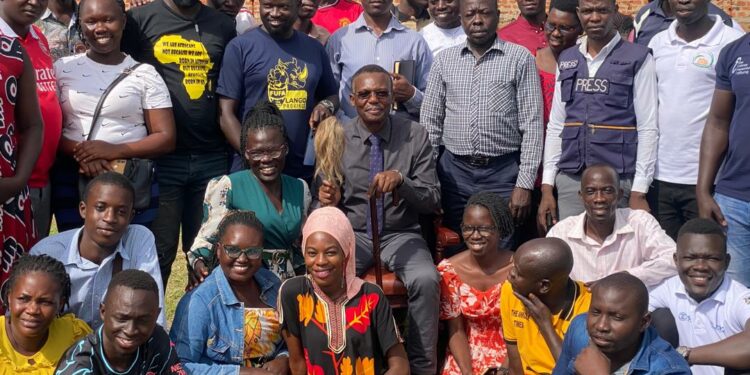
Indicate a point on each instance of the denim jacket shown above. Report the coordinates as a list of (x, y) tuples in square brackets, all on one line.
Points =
[(655, 356), (208, 327)]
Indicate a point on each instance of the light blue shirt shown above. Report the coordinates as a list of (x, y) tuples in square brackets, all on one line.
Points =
[(356, 45), (89, 281)]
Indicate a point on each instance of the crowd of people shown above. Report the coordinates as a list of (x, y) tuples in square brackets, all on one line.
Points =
[(591, 166)]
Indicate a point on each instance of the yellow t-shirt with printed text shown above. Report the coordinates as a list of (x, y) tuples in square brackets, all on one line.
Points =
[(520, 329)]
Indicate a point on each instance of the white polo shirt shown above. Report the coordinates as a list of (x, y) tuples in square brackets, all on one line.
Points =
[(685, 77), (723, 314)]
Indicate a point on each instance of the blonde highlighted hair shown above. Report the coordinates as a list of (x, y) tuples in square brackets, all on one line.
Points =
[(329, 151)]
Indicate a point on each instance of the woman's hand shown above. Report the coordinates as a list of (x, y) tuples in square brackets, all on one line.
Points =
[(198, 274), (87, 151), (278, 366), (94, 167)]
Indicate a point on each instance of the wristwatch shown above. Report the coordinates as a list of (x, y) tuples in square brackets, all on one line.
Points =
[(329, 105), (684, 351)]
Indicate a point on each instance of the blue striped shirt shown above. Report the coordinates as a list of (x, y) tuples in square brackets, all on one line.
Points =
[(356, 45)]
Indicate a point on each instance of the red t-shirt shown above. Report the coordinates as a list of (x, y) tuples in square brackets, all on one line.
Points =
[(37, 49), (337, 15), (525, 34)]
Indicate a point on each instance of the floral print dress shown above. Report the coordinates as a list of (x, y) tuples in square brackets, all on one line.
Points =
[(481, 313), (347, 337)]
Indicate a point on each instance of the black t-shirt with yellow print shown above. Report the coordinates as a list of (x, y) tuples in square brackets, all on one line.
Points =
[(187, 52)]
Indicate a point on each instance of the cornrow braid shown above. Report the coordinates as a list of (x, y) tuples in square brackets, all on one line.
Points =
[(265, 115), (39, 263), (498, 208), (238, 217), (77, 25)]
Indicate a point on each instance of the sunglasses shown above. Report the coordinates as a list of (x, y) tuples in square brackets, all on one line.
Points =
[(235, 252)]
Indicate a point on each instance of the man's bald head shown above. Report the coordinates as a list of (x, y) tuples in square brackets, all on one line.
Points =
[(549, 258), (626, 285), (600, 169)]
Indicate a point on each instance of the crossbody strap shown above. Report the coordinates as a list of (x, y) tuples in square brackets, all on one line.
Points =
[(106, 92)]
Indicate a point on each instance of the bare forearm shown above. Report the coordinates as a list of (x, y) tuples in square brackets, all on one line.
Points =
[(732, 352), (31, 145), (459, 345), (152, 146), (230, 124), (554, 342)]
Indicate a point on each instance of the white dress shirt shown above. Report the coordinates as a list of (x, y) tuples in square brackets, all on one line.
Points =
[(439, 39), (644, 103), (637, 245)]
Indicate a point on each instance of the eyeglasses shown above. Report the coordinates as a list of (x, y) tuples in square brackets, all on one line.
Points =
[(484, 231), (257, 155), (235, 252), (563, 29), (364, 95)]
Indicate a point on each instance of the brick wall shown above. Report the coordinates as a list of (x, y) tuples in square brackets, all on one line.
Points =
[(739, 9)]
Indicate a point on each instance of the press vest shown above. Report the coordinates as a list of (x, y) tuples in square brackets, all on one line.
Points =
[(600, 123)]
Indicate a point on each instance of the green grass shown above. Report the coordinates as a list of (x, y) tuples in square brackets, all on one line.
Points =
[(175, 288)]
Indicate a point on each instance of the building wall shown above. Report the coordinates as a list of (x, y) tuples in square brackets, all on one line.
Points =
[(739, 9)]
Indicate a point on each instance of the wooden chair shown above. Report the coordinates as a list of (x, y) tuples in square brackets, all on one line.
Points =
[(393, 288)]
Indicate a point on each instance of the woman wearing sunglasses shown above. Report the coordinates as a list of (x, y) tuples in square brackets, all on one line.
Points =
[(279, 201), (239, 293)]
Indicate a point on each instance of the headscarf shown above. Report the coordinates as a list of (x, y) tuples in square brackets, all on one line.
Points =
[(332, 221)]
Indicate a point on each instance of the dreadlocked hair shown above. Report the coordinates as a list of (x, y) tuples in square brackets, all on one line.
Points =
[(329, 151), (77, 26), (265, 115), (498, 208), (44, 264)]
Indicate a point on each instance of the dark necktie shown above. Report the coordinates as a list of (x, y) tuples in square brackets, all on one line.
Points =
[(376, 166)]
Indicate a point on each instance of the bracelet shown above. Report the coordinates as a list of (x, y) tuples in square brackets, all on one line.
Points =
[(400, 176), (329, 105)]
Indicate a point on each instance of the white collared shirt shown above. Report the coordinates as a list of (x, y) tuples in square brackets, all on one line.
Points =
[(644, 103), (439, 39), (686, 76), (637, 245), (89, 281), (725, 313)]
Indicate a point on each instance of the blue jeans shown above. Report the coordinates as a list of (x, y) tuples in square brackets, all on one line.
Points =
[(737, 214)]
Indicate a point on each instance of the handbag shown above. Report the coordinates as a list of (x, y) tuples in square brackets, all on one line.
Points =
[(140, 172)]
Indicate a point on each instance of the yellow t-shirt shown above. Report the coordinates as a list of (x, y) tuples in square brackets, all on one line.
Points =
[(63, 332), (520, 328)]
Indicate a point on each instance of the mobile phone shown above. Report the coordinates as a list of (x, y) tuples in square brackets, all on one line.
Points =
[(548, 217), (118, 165)]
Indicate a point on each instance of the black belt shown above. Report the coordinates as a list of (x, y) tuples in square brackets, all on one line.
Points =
[(477, 160)]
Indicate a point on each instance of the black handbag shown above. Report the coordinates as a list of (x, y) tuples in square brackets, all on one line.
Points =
[(140, 172)]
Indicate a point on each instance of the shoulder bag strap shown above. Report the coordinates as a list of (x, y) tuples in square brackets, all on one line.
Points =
[(106, 92)]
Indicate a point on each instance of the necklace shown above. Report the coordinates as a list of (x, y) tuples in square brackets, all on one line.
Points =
[(17, 347)]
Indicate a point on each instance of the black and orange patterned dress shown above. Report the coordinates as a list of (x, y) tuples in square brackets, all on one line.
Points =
[(345, 337)]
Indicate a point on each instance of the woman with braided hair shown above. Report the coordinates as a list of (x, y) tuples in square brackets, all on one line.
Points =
[(279, 201), (33, 335), (470, 288)]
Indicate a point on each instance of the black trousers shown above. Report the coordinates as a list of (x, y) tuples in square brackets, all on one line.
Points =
[(673, 205)]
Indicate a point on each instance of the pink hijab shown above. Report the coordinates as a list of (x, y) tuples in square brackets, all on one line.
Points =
[(332, 221)]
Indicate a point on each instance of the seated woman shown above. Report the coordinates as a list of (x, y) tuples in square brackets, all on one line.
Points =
[(470, 288), (279, 201), (33, 337), (332, 321), (135, 120), (238, 293)]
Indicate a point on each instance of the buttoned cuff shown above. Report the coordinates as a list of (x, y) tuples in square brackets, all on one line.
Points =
[(548, 176), (414, 104), (641, 184), (526, 180)]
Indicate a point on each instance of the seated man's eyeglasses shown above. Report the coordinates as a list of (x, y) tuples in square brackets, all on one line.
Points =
[(365, 94)]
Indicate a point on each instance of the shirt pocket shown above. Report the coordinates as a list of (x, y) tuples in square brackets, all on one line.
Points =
[(499, 96), (218, 349), (620, 90)]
